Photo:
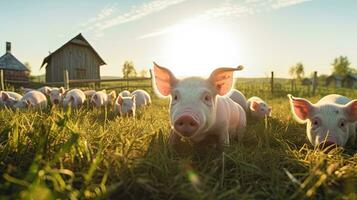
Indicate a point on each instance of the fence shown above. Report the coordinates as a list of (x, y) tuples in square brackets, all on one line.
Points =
[(97, 84)]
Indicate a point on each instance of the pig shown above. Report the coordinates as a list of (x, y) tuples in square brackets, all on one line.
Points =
[(111, 97), (8, 99), (125, 106), (101, 98), (74, 98), (331, 121), (142, 98), (238, 97), (89, 93), (33, 99), (199, 109), (258, 108), (124, 93), (56, 94)]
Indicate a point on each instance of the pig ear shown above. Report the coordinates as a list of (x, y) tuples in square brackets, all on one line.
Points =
[(301, 108), (351, 110), (28, 103), (119, 100), (222, 79), (62, 90), (113, 94), (164, 79), (5, 96), (47, 90), (254, 106)]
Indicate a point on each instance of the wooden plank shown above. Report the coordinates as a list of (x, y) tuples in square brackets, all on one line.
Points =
[(2, 80)]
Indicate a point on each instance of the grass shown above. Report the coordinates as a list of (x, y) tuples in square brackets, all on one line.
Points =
[(89, 154)]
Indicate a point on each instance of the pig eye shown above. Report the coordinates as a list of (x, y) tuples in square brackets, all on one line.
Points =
[(207, 98), (175, 97), (316, 122), (342, 124)]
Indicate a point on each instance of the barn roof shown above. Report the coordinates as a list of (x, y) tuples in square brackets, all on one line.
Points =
[(79, 40), (353, 76), (336, 77), (10, 62)]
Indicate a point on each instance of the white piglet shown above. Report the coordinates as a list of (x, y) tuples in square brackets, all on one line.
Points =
[(56, 95), (33, 99), (74, 98), (238, 97), (198, 108), (258, 108), (101, 98), (125, 106), (332, 120), (8, 99), (142, 98)]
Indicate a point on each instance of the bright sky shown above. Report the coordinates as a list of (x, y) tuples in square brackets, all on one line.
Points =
[(191, 37)]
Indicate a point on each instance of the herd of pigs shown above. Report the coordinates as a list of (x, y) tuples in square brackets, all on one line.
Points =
[(204, 110), (124, 105)]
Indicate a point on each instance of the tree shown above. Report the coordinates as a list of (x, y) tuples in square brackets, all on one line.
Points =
[(341, 66), (143, 73), (129, 69), (297, 71)]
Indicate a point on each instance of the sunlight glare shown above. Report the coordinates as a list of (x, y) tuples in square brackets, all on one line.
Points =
[(197, 49)]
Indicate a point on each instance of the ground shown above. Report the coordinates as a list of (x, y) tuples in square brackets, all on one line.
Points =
[(89, 154)]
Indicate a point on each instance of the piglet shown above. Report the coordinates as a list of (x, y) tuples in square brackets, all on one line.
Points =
[(74, 98), (56, 94), (124, 93), (101, 98), (238, 97), (33, 99), (331, 121), (8, 99), (125, 106), (142, 98), (199, 108), (258, 108)]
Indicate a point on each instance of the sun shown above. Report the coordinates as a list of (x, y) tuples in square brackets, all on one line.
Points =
[(197, 49)]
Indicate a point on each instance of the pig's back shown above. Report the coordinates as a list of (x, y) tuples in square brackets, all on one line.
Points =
[(141, 97), (37, 98), (334, 98), (14, 95), (239, 98)]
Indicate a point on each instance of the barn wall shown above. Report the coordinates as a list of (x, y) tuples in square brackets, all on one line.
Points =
[(80, 61), (16, 75)]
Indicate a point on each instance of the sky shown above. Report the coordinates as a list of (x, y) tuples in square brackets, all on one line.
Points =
[(190, 37)]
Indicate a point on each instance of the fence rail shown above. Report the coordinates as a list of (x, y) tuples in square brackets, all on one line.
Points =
[(109, 84)]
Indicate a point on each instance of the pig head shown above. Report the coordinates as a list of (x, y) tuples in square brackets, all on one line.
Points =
[(331, 121), (197, 108)]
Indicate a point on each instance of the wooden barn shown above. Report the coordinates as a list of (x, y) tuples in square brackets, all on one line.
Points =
[(350, 81), (334, 80), (13, 69), (78, 57)]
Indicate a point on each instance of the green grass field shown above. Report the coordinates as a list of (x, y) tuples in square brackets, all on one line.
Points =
[(89, 154)]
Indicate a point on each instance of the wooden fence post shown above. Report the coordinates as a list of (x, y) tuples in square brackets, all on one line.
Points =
[(151, 78), (272, 83), (2, 80), (314, 83), (66, 79)]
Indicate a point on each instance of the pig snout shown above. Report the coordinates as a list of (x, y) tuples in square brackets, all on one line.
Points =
[(56, 101), (186, 125)]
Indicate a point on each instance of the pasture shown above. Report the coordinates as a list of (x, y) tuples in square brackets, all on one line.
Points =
[(86, 154)]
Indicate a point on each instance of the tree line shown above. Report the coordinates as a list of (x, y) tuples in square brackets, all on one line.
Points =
[(340, 66)]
